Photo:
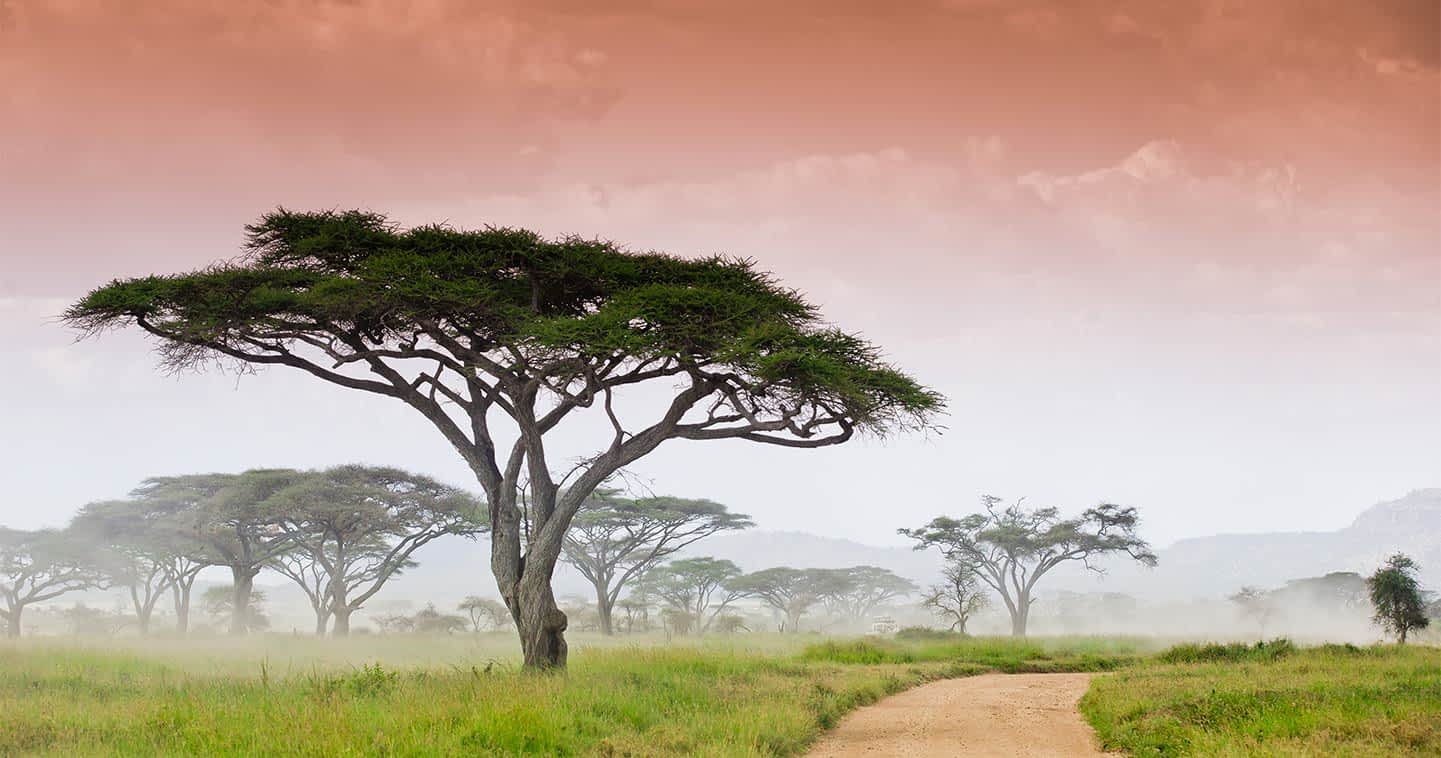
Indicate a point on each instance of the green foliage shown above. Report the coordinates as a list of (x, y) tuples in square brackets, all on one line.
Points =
[(1330, 700), (1231, 652), (1396, 597), (357, 276)]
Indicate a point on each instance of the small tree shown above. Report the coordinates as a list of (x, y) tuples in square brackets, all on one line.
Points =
[(789, 592), (1011, 548), (485, 613), (958, 597), (1396, 597), (360, 526), (614, 539), (699, 587), (40, 566), (429, 620), (471, 328), (219, 604), (1257, 605)]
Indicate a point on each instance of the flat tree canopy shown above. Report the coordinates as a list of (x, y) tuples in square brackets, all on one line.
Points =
[(1011, 548), (461, 324)]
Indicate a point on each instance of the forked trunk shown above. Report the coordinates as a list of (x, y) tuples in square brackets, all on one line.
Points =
[(322, 622), (604, 609), (182, 610), (1019, 617)]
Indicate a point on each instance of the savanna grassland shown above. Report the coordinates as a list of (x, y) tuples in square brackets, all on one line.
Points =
[(1273, 699), (768, 695), (742, 696)]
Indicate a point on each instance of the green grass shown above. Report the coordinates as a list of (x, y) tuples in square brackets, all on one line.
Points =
[(759, 695), (999, 654), (1273, 699)]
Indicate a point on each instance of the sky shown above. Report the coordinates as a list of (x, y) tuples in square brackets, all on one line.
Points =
[(1184, 256)]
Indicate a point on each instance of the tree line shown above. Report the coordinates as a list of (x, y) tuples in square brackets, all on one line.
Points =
[(339, 534)]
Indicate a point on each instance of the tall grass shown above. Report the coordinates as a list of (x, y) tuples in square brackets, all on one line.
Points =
[(1273, 699), (443, 696)]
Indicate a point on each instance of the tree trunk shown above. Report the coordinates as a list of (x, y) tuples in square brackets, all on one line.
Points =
[(240, 600), (1020, 615), (182, 609), (604, 608), (540, 622), (322, 621), (12, 624), (340, 627)]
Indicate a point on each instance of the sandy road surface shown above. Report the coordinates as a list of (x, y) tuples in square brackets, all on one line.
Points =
[(990, 715)]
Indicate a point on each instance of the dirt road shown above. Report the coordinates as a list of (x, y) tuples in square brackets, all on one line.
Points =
[(990, 715)]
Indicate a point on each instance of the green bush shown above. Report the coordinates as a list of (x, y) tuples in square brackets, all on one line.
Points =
[(1233, 652)]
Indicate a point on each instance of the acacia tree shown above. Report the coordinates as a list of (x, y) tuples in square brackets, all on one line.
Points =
[(789, 592), (226, 523), (305, 569), (126, 547), (615, 539), (157, 523), (361, 525), (699, 587), (1011, 548), (39, 566), (957, 597), (1396, 597), (474, 327), (858, 590), (1256, 604), (484, 613)]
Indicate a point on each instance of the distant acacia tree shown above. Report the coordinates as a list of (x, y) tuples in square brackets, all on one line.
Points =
[(358, 526), (1257, 605), (789, 592), (699, 587), (219, 604), (123, 543), (958, 597), (459, 325), (225, 519), (857, 591), (615, 539), (485, 613), (1396, 597), (1011, 548), (39, 566)]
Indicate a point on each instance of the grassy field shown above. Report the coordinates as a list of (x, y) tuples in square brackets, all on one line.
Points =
[(748, 695), (759, 695), (1273, 699)]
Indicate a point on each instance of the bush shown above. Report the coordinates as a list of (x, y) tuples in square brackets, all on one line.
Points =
[(928, 634), (1234, 652)]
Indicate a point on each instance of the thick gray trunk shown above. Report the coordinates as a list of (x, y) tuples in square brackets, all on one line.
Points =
[(240, 600), (340, 627), (322, 622), (540, 622), (1020, 615), (12, 624), (604, 608), (182, 610)]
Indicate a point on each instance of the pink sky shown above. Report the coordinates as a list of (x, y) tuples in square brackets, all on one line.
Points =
[(1094, 224)]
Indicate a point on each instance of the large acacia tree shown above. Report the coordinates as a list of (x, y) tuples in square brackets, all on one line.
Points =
[(497, 336), (352, 528), (225, 522), (39, 566), (615, 539), (1010, 548)]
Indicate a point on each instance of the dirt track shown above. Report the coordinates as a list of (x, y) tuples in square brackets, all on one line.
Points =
[(990, 715)]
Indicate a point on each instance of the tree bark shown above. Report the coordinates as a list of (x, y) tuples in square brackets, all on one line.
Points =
[(240, 600), (182, 609), (1020, 615), (340, 623), (604, 609), (540, 622), (322, 621), (12, 624)]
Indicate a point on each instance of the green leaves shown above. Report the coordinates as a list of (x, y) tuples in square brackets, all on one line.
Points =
[(352, 282)]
